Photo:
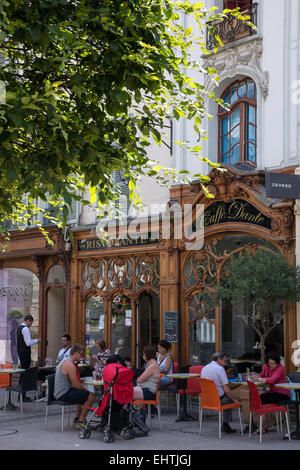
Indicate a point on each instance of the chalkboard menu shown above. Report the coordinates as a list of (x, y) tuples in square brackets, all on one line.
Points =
[(171, 327)]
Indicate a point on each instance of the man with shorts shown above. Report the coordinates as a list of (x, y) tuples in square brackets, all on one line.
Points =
[(215, 371), (67, 386)]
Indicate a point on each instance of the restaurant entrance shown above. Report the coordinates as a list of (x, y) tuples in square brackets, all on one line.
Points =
[(148, 320)]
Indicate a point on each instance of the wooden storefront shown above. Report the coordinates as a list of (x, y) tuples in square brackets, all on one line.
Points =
[(131, 284)]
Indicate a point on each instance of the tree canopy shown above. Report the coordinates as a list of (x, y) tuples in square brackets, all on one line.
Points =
[(88, 83)]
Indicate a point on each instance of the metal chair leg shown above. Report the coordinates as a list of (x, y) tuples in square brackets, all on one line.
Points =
[(288, 425), (200, 421), (277, 425), (220, 425), (240, 418), (260, 429), (46, 419), (250, 423), (158, 412)]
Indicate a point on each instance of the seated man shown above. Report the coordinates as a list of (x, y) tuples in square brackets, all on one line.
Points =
[(215, 371), (63, 353), (67, 386)]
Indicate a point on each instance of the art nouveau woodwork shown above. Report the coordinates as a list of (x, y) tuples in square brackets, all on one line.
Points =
[(163, 267)]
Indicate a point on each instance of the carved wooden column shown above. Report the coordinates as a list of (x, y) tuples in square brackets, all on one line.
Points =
[(76, 315), (169, 292), (42, 347)]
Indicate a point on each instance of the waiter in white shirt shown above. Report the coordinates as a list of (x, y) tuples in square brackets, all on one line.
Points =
[(24, 343), (65, 350)]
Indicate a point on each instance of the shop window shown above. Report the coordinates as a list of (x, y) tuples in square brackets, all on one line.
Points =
[(19, 296), (202, 330), (94, 323), (238, 125), (121, 322)]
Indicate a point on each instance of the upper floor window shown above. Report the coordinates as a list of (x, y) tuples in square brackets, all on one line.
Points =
[(242, 4), (238, 125)]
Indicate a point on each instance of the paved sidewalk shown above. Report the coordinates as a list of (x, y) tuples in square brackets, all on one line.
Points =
[(26, 432)]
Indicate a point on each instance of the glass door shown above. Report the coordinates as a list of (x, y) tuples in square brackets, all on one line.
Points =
[(148, 321)]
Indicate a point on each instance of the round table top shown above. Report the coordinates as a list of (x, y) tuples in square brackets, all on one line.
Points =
[(182, 376), (243, 361), (96, 383), (289, 385), (11, 371)]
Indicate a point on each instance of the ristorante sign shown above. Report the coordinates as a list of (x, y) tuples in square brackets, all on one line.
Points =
[(235, 211), (100, 244)]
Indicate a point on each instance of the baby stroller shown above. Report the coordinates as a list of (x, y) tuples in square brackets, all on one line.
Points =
[(115, 407)]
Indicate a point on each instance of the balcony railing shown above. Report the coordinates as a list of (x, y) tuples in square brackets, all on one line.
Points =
[(231, 29)]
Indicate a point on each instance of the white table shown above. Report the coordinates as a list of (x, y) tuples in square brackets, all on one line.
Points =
[(10, 405), (293, 386)]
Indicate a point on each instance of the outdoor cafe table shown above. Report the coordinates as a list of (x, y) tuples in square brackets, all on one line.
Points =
[(10, 405), (296, 387), (94, 382), (183, 376)]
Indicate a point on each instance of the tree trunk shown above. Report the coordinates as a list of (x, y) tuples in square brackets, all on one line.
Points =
[(262, 349)]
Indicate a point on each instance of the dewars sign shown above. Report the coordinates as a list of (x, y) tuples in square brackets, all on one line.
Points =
[(282, 186)]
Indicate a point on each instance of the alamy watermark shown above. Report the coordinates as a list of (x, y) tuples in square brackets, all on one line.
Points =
[(175, 223)]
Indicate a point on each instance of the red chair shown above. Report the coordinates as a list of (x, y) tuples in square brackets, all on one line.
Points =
[(172, 386), (256, 406), (210, 400), (192, 387)]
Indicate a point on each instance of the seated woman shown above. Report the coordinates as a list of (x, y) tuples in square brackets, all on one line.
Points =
[(147, 382), (165, 362), (273, 373), (101, 357)]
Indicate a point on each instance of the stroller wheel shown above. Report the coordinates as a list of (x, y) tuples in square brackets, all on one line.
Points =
[(108, 436), (84, 433), (128, 434)]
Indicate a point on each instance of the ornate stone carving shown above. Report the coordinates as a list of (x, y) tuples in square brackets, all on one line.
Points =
[(240, 58), (40, 269)]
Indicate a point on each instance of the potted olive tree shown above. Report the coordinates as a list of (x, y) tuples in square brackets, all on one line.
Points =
[(265, 281)]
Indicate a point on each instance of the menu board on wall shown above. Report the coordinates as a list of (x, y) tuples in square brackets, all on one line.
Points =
[(171, 327)]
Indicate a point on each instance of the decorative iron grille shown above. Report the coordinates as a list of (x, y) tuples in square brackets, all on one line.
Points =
[(231, 29)]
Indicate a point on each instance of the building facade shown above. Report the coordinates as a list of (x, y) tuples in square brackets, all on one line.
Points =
[(134, 290)]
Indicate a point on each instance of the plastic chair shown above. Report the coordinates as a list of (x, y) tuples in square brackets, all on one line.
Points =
[(256, 406), (172, 386), (5, 378), (28, 384), (149, 403), (52, 401), (192, 388), (210, 400)]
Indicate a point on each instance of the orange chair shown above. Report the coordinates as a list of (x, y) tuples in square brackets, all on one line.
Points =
[(210, 400), (149, 403), (5, 378), (256, 406), (192, 387)]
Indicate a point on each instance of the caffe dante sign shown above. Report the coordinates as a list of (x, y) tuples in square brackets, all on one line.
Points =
[(235, 211)]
